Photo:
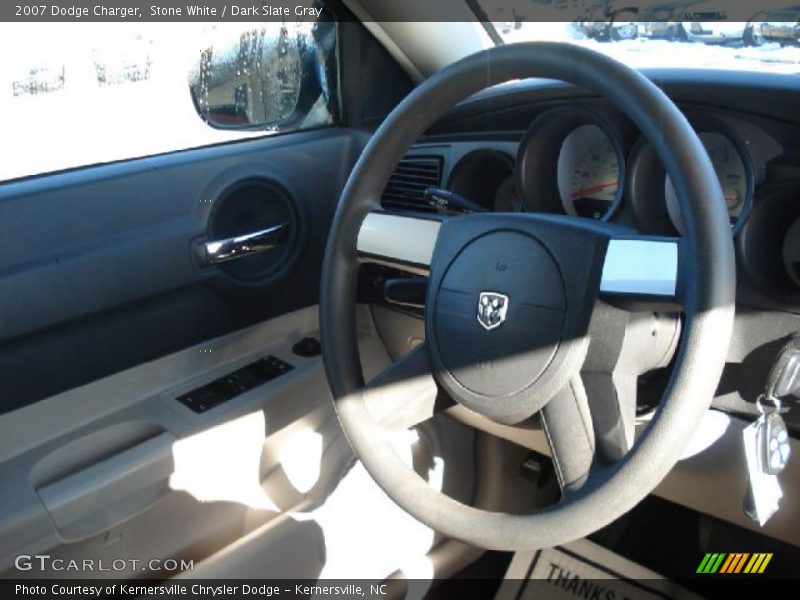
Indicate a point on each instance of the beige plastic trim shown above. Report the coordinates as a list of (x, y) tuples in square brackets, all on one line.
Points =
[(712, 481), (74, 439), (113, 490)]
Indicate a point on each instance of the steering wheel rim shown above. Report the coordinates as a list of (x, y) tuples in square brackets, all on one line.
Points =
[(706, 278)]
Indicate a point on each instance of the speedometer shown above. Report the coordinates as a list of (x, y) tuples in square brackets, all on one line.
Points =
[(731, 171), (571, 160), (589, 172)]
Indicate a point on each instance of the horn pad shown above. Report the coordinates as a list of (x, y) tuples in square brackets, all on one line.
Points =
[(497, 318)]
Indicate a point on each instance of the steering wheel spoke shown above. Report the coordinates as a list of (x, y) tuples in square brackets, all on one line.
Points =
[(639, 272), (613, 409), (403, 242), (567, 423), (405, 394), (642, 273), (623, 346)]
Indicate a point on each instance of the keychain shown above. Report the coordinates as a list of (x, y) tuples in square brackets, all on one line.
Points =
[(766, 441), (773, 438)]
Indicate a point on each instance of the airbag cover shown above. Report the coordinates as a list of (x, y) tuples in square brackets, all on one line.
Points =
[(510, 356)]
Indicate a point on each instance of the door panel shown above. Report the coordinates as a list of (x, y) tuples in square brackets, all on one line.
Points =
[(168, 482), (108, 314), (99, 268)]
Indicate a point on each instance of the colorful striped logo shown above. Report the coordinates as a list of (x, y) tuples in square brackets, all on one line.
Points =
[(733, 563)]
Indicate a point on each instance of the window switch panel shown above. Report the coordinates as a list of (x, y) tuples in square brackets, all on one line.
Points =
[(234, 384)]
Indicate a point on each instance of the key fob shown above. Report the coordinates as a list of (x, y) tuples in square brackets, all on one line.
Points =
[(773, 446)]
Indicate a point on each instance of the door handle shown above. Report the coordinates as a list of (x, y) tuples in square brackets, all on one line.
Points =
[(105, 494), (219, 251)]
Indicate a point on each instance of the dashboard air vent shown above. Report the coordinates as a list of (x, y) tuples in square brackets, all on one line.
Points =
[(406, 186)]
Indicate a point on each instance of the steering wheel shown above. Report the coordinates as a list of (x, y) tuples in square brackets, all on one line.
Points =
[(524, 313)]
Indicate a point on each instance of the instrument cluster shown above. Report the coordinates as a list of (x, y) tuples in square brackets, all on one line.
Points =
[(575, 161)]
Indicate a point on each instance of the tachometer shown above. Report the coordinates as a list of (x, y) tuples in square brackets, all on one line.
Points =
[(571, 160), (732, 174), (589, 172)]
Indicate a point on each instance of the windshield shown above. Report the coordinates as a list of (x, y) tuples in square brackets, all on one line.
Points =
[(658, 34)]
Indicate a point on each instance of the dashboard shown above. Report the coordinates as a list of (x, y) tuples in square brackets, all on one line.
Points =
[(584, 163), (552, 148)]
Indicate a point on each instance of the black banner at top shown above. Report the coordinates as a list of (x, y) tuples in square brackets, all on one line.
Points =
[(160, 10), (392, 10)]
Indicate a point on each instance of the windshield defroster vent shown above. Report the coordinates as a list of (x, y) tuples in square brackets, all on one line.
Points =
[(408, 183)]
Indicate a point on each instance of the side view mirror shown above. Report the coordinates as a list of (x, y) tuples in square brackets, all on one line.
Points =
[(256, 79)]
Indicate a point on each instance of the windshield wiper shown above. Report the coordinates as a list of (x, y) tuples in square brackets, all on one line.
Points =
[(483, 19)]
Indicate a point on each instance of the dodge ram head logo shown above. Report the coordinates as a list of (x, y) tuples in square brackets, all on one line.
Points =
[(492, 308)]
